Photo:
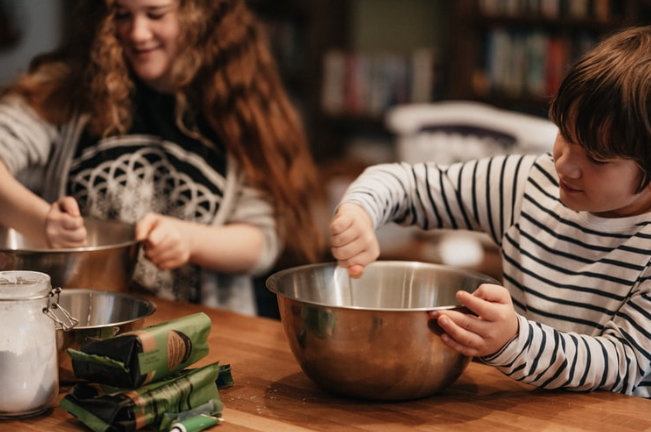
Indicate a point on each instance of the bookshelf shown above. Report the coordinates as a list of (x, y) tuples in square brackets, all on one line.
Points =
[(299, 32), (513, 54), (347, 61), (394, 54)]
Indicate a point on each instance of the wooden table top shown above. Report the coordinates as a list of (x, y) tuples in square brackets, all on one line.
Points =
[(271, 393)]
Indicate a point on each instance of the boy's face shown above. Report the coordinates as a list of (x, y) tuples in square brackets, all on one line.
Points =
[(604, 188)]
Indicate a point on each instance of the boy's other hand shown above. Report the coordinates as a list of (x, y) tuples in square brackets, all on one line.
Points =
[(485, 333), (352, 239)]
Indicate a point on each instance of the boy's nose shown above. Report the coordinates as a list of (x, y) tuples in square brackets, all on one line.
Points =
[(567, 165)]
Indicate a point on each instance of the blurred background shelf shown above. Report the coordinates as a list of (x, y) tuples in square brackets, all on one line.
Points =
[(513, 54), (348, 61), (362, 41), (378, 42)]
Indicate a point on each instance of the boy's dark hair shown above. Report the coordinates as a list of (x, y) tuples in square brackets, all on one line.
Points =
[(604, 102)]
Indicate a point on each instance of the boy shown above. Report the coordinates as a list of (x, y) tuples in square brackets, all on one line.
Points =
[(573, 227)]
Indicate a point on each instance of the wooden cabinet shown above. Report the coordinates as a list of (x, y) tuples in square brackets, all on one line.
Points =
[(514, 54), (393, 55), (509, 53), (347, 61), (300, 32)]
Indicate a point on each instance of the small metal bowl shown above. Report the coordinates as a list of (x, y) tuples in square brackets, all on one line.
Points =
[(107, 263), (370, 339), (101, 314)]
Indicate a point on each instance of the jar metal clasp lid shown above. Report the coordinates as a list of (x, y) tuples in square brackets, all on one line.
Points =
[(71, 321)]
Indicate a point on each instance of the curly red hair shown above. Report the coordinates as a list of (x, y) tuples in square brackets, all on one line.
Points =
[(224, 69)]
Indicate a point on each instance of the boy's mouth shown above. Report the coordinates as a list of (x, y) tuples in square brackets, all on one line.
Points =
[(567, 188)]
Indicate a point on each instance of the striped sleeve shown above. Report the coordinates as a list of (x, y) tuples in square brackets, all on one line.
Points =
[(480, 195), (616, 360)]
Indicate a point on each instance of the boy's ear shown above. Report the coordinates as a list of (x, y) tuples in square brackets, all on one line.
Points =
[(645, 177)]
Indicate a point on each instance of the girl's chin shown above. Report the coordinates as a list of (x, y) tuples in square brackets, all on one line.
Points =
[(154, 81), (147, 75), (147, 71)]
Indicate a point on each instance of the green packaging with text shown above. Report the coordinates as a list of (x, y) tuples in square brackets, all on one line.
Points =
[(133, 359)]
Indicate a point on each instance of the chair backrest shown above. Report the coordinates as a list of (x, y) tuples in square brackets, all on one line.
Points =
[(453, 131)]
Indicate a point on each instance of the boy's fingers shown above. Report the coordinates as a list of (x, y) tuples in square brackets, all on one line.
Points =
[(356, 271)]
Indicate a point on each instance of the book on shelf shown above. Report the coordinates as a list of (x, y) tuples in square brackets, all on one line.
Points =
[(284, 41), (555, 60), (334, 81), (601, 10), (367, 84), (531, 62)]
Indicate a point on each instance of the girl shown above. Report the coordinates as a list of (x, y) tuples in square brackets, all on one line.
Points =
[(169, 114)]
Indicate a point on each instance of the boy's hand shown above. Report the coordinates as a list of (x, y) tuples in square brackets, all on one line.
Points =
[(64, 225), (496, 322), (352, 239)]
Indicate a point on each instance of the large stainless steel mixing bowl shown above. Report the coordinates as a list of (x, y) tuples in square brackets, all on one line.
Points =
[(101, 314), (371, 339), (107, 263)]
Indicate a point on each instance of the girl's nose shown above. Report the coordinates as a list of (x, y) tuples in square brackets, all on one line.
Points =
[(139, 29)]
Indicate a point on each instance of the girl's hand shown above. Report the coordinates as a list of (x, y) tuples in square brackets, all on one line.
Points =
[(166, 244), (64, 225), (352, 239), (495, 323)]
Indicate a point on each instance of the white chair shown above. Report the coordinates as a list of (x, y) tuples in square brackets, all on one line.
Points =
[(455, 131), (452, 131)]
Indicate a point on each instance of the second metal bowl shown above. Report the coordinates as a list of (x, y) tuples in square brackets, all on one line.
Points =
[(101, 314)]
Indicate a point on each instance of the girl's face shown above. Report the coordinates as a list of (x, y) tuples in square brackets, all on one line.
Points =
[(604, 188), (149, 32)]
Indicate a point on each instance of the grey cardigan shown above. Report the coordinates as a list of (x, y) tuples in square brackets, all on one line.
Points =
[(39, 154)]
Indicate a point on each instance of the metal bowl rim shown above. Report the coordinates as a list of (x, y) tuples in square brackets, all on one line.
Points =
[(445, 267), (91, 220), (151, 306), (70, 250)]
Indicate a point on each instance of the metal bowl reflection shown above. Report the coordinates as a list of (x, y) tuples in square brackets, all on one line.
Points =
[(107, 263), (101, 314), (371, 339)]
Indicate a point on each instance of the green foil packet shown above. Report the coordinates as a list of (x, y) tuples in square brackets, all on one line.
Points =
[(133, 359), (213, 407), (151, 405)]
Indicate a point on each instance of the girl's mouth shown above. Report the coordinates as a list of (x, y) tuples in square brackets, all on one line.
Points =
[(143, 51)]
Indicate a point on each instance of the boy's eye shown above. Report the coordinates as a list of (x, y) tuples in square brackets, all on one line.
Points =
[(597, 160)]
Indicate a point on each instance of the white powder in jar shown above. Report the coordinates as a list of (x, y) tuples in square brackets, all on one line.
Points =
[(28, 358)]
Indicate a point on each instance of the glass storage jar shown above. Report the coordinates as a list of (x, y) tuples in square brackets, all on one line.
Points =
[(28, 352)]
